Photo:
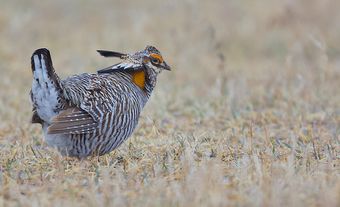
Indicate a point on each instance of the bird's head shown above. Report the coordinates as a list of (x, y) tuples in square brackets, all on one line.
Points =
[(149, 59), (153, 60)]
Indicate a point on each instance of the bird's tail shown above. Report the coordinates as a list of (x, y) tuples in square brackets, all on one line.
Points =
[(47, 93)]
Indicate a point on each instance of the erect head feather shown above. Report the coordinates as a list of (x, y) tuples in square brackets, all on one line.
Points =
[(107, 53)]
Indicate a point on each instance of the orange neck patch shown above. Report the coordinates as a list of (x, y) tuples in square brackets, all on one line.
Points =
[(138, 77)]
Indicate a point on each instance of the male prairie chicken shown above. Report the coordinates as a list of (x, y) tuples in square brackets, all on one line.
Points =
[(92, 114)]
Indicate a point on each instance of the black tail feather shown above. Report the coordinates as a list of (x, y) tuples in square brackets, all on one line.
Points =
[(47, 93), (47, 56)]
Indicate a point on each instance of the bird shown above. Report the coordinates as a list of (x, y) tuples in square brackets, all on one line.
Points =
[(91, 114)]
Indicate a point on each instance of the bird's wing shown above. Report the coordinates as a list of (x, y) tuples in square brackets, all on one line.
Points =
[(72, 121), (91, 99)]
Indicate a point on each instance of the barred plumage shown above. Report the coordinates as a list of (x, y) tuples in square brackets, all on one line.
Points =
[(92, 114)]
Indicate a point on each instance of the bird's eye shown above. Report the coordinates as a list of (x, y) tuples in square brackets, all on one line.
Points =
[(155, 61)]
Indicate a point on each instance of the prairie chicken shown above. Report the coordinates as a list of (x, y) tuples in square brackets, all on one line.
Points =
[(92, 114)]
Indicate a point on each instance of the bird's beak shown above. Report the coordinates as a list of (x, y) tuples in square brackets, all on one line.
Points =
[(165, 66)]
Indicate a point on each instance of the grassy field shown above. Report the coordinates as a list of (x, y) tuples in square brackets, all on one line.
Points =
[(249, 116)]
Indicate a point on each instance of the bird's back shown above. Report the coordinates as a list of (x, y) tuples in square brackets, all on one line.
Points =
[(114, 103), (102, 91)]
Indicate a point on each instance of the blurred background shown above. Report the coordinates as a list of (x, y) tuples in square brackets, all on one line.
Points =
[(249, 114), (215, 48)]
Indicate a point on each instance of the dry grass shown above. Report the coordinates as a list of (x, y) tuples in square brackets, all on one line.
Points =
[(250, 115)]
